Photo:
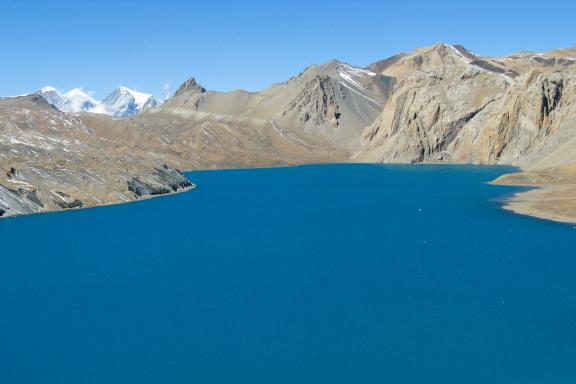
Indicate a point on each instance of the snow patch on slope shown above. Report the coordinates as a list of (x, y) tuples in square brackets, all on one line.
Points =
[(356, 80)]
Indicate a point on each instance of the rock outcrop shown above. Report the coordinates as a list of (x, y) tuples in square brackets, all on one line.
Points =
[(19, 201), (190, 87), (162, 181)]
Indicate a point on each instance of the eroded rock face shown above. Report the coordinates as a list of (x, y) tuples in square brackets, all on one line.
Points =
[(19, 202), (65, 201), (162, 181), (451, 106), (426, 114), (317, 102)]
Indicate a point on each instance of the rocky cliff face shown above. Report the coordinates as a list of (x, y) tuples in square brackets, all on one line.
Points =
[(450, 105)]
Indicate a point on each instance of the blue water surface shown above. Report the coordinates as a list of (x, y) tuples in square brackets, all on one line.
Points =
[(314, 274)]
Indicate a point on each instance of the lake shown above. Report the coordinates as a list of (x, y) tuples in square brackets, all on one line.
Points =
[(314, 274)]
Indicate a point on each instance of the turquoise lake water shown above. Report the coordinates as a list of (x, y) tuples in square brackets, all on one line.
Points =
[(315, 274)]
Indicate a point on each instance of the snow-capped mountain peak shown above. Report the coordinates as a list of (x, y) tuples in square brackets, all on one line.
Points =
[(75, 100), (139, 97), (47, 89), (77, 92), (51, 94), (122, 102)]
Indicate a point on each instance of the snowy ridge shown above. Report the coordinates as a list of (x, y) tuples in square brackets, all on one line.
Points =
[(75, 100), (459, 54), (122, 102), (353, 75)]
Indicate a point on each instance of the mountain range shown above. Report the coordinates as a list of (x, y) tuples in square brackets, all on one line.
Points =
[(121, 102), (438, 104)]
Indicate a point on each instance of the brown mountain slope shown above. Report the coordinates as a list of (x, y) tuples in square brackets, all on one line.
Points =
[(51, 160), (333, 102), (202, 140)]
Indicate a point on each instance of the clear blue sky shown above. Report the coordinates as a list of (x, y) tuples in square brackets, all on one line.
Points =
[(145, 45)]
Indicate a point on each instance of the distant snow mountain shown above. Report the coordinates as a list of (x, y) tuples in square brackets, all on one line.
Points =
[(122, 102), (75, 100)]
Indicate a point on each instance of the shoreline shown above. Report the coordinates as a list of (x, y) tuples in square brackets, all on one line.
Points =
[(524, 203), (109, 204), (552, 194), (38, 195)]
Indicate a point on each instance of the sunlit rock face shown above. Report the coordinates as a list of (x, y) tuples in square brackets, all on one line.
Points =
[(450, 105)]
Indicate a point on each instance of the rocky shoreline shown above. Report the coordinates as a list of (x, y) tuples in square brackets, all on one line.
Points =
[(30, 199)]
